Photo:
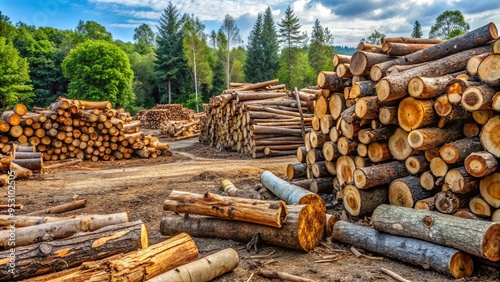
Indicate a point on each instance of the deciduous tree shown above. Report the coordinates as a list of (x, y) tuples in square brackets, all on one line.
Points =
[(232, 33), (374, 38), (144, 38), (99, 70), (448, 25)]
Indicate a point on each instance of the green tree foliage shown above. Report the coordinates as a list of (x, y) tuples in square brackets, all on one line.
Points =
[(237, 65), (302, 74), (7, 30), (320, 48), (218, 42), (417, 30), (144, 38), (232, 33), (91, 30), (290, 38), (255, 53), (374, 38), (15, 84), (196, 51), (448, 25), (99, 70), (42, 56), (270, 46), (144, 82), (171, 68)]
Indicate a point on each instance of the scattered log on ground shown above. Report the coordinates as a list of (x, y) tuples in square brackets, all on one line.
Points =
[(282, 275), (78, 204)]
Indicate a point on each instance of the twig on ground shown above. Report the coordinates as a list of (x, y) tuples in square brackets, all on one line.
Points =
[(283, 276), (394, 275)]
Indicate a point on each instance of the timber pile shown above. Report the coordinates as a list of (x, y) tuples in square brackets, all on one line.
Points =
[(259, 119), (76, 129), (182, 129), (425, 137), (156, 116)]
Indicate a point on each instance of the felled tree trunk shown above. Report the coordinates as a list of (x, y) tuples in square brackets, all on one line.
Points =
[(479, 238), (367, 177), (302, 231), (363, 202), (481, 164), (270, 213), (61, 208), (42, 258), (424, 254), (134, 266), (406, 191), (202, 270)]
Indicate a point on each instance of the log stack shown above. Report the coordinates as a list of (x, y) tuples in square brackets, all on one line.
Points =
[(260, 120), (423, 136), (77, 129), (163, 116), (182, 129)]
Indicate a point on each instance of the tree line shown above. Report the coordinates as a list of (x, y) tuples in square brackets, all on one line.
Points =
[(181, 63)]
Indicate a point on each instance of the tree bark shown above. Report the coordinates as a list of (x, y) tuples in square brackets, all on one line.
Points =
[(321, 185), (480, 163), (302, 231), (61, 208), (402, 49), (42, 258), (271, 213), (362, 203), (427, 138), (457, 151), (428, 87), (416, 164), (296, 170), (291, 194), (406, 191), (367, 136), (479, 238), (367, 177), (424, 254), (449, 202)]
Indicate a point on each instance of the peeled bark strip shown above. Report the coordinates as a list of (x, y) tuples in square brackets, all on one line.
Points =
[(427, 138), (488, 187), (416, 252), (60, 229), (406, 191), (488, 69), (296, 170), (302, 231), (414, 114), (291, 194), (270, 213), (457, 151), (428, 87), (489, 136), (399, 146), (481, 164), (42, 258), (478, 98), (61, 208), (134, 266), (479, 238), (449, 202), (202, 270), (416, 164), (425, 204), (362, 203), (480, 207), (367, 177), (395, 86)]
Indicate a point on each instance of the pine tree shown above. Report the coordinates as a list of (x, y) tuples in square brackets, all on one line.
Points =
[(417, 30), (291, 38), (269, 38), (255, 53), (320, 49), (171, 64)]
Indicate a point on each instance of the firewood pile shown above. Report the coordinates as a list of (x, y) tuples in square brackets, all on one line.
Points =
[(104, 247), (416, 130), (182, 129), (77, 129), (155, 117), (259, 119)]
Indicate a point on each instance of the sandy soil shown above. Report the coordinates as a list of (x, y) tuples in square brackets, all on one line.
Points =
[(140, 186)]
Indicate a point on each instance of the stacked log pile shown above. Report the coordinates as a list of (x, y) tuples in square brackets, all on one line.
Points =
[(259, 119), (182, 129), (423, 136), (77, 129)]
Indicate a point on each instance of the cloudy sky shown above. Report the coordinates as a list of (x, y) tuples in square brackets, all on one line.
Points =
[(349, 20)]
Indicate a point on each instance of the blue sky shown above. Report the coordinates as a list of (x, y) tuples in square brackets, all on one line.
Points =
[(349, 20)]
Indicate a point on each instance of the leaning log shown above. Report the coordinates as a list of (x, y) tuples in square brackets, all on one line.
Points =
[(270, 213), (479, 238), (202, 270), (291, 194), (42, 258), (302, 231), (426, 255)]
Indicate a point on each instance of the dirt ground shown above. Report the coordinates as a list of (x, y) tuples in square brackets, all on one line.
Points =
[(140, 186)]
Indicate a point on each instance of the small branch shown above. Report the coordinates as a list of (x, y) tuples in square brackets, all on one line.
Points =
[(262, 256), (283, 276), (330, 248), (250, 278), (394, 275), (359, 254)]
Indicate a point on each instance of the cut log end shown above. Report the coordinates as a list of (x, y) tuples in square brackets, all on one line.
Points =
[(491, 242), (313, 219), (461, 265), (383, 89)]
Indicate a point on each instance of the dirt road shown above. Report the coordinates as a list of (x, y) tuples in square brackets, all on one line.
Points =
[(140, 187)]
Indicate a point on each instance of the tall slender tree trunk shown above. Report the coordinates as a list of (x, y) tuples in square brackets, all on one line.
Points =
[(195, 79), (228, 64), (169, 91)]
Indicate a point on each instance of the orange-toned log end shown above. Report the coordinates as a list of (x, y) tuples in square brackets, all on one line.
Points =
[(311, 226), (313, 199), (491, 242), (331, 219), (414, 114), (490, 136), (461, 265)]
